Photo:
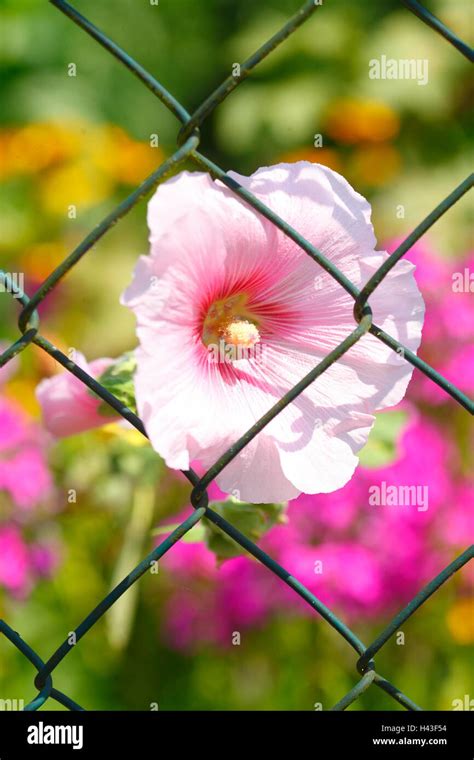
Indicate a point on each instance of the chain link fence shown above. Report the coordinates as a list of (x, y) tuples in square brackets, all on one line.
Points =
[(187, 149)]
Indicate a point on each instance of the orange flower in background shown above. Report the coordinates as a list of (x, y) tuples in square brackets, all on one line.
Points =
[(108, 156), (351, 121), (32, 148), (40, 259), (325, 156), (44, 364), (460, 621), (123, 159), (79, 162)]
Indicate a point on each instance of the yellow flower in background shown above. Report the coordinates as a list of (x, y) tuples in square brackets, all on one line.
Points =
[(460, 621), (4, 155), (79, 162), (79, 184), (32, 148), (351, 121), (129, 435), (326, 156), (374, 165), (123, 159), (23, 391)]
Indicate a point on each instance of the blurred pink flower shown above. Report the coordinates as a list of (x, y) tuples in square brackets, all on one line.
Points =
[(459, 367), (343, 575), (67, 405), (45, 558), (27, 477), (14, 560), (13, 424), (359, 558), (401, 538), (26, 480), (210, 603), (22, 563), (231, 314), (24, 472), (459, 529), (448, 332), (192, 559)]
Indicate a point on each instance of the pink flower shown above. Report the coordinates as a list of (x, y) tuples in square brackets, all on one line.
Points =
[(191, 559), (24, 472), (223, 599), (459, 528), (342, 574), (45, 558), (448, 331), (27, 477), (231, 314), (23, 563), (67, 405), (360, 558), (14, 560), (13, 425)]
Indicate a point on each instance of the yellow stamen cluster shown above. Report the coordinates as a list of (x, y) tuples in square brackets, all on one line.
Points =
[(231, 322), (241, 333)]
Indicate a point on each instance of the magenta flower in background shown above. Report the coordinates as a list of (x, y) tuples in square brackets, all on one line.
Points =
[(231, 314), (343, 574), (360, 558), (404, 544), (14, 560), (448, 332), (397, 547), (67, 405), (209, 603), (459, 529), (25, 486), (23, 563), (13, 424), (24, 471), (27, 478)]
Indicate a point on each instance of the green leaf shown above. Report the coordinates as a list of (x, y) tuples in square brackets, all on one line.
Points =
[(193, 536), (254, 520), (381, 448), (119, 380)]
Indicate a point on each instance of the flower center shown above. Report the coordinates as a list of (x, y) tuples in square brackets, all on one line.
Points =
[(229, 321)]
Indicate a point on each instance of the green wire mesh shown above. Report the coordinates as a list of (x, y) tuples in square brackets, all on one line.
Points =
[(188, 141)]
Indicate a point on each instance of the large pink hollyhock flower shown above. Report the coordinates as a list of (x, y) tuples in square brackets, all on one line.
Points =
[(231, 314), (66, 403)]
